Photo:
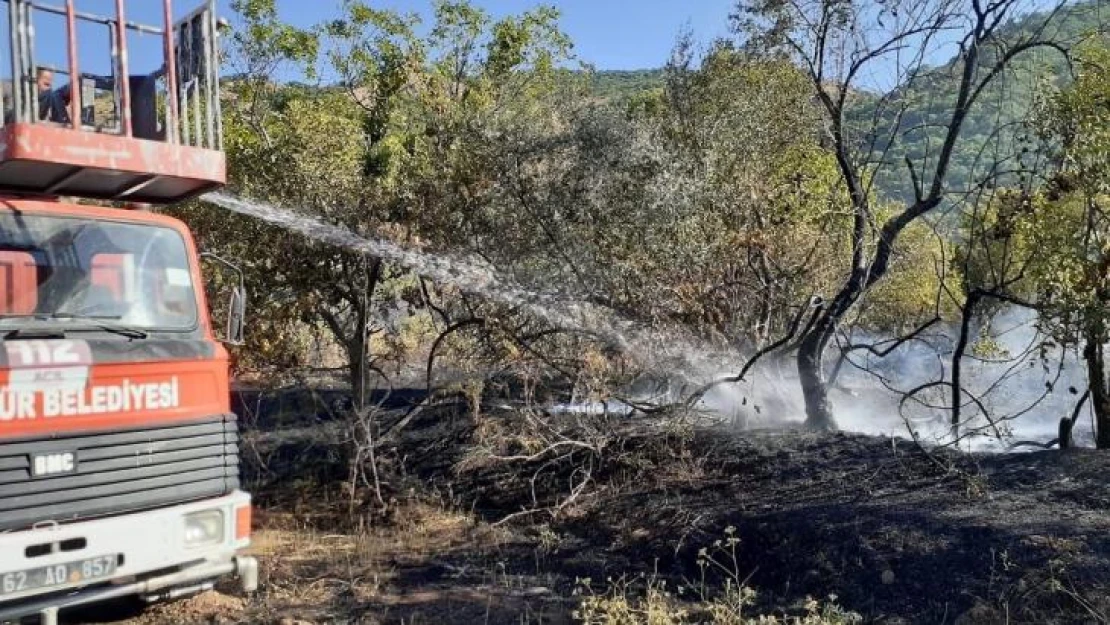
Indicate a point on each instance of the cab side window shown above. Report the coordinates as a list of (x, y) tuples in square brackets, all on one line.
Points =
[(18, 283)]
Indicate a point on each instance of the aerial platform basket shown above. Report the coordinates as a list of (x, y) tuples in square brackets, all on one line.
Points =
[(150, 138)]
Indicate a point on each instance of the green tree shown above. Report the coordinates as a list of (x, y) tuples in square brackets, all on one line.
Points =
[(1076, 279), (684, 207), (837, 43), (394, 147)]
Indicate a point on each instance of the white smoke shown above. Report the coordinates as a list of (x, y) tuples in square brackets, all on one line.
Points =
[(1021, 389), (1021, 392)]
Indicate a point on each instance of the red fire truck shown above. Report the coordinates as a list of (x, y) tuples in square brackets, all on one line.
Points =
[(118, 448)]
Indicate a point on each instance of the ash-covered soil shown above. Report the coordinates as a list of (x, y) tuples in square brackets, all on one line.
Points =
[(896, 534)]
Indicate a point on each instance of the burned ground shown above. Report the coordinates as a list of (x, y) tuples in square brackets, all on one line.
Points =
[(896, 534)]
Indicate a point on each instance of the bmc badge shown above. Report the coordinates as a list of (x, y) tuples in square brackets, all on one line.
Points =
[(54, 463)]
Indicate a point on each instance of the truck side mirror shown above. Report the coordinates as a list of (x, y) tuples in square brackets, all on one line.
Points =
[(236, 315), (236, 303)]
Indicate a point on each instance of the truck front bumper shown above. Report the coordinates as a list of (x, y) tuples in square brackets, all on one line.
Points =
[(160, 555)]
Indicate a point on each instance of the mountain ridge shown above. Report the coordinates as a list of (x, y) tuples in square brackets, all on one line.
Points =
[(992, 131)]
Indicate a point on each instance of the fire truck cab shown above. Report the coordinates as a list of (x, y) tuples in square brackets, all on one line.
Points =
[(118, 449)]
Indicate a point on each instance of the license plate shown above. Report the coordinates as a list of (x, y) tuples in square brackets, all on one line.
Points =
[(89, 569)]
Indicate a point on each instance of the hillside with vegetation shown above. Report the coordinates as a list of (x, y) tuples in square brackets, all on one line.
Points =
[(529, 344), (999, 128), (622, 85), (923, 107)]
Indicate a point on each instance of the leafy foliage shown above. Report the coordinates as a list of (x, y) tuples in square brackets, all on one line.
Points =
[(718, 194)]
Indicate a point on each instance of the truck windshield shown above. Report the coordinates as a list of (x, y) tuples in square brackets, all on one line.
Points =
[(62, 271)]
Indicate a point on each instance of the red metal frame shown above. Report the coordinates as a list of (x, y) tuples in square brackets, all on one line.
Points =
[(125, 86), (49, 160), (88, 164), (41, 142), (171, 73), (74, 71)]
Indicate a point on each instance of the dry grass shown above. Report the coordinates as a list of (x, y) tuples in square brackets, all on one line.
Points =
[(314, 576), (649, 600), (819, 515)]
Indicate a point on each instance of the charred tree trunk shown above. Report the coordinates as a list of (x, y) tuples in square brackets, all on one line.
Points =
[(811, 374), (362, 423), (815, 338), (1094, 355), (819, 415), (358, 371), (358, 347), (957, 359)]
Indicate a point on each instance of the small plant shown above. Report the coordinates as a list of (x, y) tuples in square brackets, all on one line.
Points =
[(726, 604), (549, 539), (647, 600), (619, 605)]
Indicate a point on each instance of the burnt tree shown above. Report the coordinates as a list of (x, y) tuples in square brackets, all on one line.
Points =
[(838, 42)]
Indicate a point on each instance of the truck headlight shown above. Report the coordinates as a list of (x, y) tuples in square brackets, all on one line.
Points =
[(204, 528)]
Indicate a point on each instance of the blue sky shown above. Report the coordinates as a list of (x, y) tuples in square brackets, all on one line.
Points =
[(610, 34), (94, 50)]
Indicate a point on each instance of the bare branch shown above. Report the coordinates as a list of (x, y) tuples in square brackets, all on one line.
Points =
[(455, 327), (816, 304)]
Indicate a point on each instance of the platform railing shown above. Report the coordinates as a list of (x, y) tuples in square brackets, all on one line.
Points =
[(189, 73), (196, 66)]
